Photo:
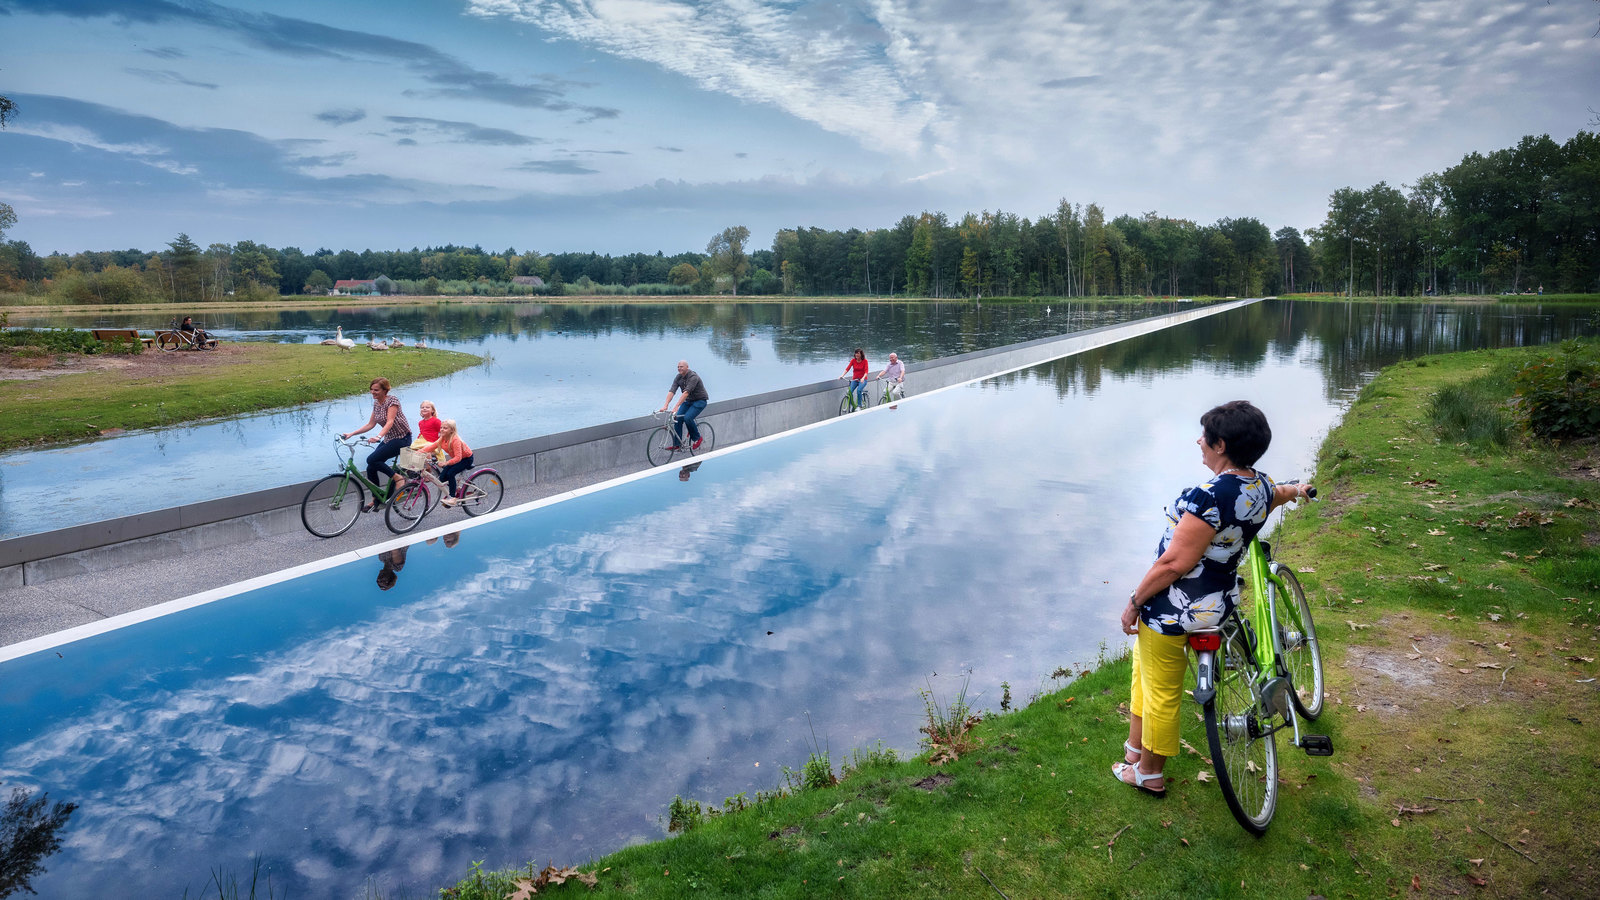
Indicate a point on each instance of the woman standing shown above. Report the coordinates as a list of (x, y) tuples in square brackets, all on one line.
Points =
[(396, 433), (1193, 584)]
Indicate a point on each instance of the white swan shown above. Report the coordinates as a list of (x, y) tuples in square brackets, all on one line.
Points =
[(376, 344), (421, 344), (395, 343), (339, 340)]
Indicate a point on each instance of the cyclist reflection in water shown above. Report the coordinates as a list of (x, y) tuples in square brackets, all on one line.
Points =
[(686, 471), (393, 561), (1192, 584)]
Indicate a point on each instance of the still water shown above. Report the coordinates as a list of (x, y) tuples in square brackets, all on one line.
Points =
[(540, 687), (552, 368)]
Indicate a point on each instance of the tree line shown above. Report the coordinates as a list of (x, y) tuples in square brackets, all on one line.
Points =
[(1515, 219)]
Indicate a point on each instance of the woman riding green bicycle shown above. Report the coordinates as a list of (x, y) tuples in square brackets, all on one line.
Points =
[(1193, 584)]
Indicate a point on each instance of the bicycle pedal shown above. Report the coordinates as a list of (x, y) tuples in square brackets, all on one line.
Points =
[(1316, 744)]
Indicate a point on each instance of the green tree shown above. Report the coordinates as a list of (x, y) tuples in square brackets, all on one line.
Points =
[(683, 274), (7, 110), (184, 276), (255, 264), (727, 254), (8, 218), (317, 282)]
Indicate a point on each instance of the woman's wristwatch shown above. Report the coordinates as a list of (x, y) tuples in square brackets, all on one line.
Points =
[(1131, 595)]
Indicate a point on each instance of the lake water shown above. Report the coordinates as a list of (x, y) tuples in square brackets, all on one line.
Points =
[(543, 687), (554, 368)]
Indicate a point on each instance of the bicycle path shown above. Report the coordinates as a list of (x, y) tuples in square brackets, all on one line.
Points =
[(34, 611)]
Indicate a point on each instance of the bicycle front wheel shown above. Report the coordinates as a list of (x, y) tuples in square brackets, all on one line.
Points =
[(408, 508), (708, 439), (1302, 653), (483, 493), (845, 406), (656, 447), (168, 341), (331, 506), (1243, 751)]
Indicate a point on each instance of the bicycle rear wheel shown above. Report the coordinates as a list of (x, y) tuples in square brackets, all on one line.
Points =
[(1244, 752), (1302, 653), (408, 508), (332, 504), (168, 341), (657, 444), (483, 492)]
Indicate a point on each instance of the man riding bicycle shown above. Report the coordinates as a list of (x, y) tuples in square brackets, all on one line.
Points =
[(690, 406), (896, 373)]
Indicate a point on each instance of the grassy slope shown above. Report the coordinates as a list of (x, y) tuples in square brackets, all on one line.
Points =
[(239, 378), (1447, 773)]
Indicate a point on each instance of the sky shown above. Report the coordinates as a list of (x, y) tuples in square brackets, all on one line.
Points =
[(619, 126)]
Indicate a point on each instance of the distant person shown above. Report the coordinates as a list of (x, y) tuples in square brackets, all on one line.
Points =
[(197, 336), (393, 561), (396, 433), (856, 371), (689, 407), (458, 457), (895, 371)]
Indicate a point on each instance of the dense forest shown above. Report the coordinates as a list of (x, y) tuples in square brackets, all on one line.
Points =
[(1518, 219)]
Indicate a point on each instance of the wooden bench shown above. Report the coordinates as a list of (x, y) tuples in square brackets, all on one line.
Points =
[(121, 334)]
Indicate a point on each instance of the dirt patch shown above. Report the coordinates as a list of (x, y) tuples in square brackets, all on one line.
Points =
[(933, 782), (24, 367), (791, 831)]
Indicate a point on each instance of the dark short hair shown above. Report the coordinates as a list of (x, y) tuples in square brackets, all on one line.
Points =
[(1241, 427)]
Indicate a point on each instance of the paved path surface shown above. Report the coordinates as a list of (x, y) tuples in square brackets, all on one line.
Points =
[(38, 610)]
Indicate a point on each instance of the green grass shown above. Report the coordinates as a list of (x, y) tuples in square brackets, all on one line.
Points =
[(1455, 591), (1339, 297), (179, 388)]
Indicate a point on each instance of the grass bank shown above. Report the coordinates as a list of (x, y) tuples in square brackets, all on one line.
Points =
[(155, 389), (1455, 590)]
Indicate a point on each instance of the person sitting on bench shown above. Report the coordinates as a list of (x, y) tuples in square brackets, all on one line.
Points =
[(196, 336)]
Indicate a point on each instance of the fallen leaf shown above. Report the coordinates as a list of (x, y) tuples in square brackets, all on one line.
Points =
[(1306, 570), (1489, 665), (1436, 532), (1416, 883), (1475, 881), (1202, 775), (1476, 862), (1432, 567), (1583, 659)]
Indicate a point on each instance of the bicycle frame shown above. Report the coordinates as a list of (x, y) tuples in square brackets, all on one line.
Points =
[(348, 466)]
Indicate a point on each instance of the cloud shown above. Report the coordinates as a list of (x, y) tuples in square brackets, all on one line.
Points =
[(341, 116), (163, 52), (670, 149), (555, 167), (462, 132), (167, 76), (1072, 81), (448, 76)]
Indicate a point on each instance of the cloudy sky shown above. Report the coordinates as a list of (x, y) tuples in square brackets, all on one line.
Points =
[(623, 125)]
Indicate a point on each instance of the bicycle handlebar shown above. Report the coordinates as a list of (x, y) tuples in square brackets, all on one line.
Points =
[(1311, 492)]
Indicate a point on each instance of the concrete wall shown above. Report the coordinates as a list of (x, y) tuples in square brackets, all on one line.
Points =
[(166, 533)]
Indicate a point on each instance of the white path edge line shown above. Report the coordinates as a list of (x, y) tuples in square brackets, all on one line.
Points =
[(123, 620)]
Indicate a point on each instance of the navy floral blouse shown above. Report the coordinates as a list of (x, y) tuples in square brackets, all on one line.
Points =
[(1236, 507)]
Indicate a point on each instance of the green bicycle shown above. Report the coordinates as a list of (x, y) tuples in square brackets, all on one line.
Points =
[(1260, 672), (851, 402), (334, 502)]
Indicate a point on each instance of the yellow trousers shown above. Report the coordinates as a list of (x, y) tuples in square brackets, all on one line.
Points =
[(1159, 663)]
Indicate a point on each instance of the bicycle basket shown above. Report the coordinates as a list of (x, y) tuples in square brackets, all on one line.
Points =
[(412, 460)]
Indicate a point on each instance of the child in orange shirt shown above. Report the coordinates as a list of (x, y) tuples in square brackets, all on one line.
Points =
[(458, 456)]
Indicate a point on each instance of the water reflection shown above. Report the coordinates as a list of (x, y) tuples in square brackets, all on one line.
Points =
[(553, 368), (545, 688)]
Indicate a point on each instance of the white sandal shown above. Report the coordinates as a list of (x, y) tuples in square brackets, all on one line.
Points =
[(1139, 779), (1131, 749)]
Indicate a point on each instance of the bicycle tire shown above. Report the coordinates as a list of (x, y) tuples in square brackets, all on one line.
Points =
[(1302, 652), (866, 399), (708, 439), (656, 445), (168, 341), (1244, 754), (408, 508), (484, 490), (845, 406), (332, 505)]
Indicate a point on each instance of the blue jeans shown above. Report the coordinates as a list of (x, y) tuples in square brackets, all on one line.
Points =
[(859, 388), (686, 416), (379, 460)]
